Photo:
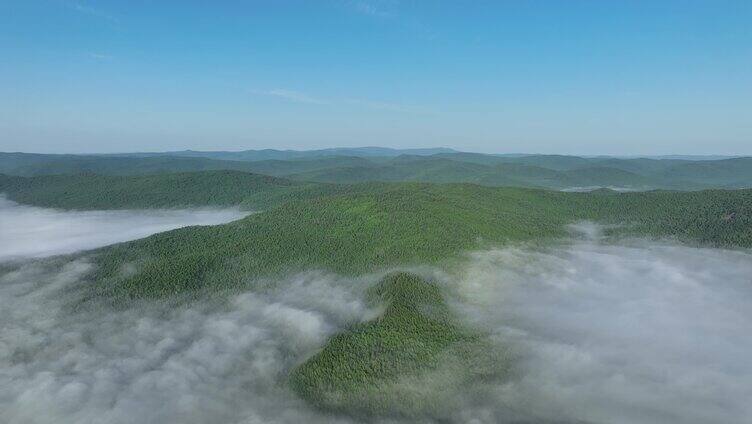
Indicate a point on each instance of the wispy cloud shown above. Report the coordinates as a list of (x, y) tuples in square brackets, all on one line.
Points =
[(295, 96), (95, 13), (390, 11), (100, 56), (371, 8)]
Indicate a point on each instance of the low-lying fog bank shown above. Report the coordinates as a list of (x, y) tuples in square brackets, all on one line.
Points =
[(157, 364), (27, 231), (635, 333)]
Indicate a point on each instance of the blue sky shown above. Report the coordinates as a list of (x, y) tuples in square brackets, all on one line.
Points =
[(567, 76)]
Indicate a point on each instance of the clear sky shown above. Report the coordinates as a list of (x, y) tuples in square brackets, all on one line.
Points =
[(565, 76)]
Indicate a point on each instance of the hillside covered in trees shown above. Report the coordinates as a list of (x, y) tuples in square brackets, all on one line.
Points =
[(371, 227)]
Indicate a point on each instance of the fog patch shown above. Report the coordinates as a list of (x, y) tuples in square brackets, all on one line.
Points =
[(213, 362), (632, 333), (32, 232)]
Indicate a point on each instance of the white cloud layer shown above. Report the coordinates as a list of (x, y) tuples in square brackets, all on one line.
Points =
[(27, 231), (638, 333), (156, 363), (218, 362), (631, 333)]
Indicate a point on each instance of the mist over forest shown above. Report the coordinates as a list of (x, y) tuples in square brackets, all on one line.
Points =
[(39, 232), (593, 329), (376, 212)]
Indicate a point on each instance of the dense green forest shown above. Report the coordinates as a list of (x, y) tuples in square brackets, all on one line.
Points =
[(372, 227), (385, 366), (27, 164), (211, 188), (356, 228)]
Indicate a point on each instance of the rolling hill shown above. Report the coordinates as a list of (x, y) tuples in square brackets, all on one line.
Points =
[(274, 154), (27, 164), (546, 171), (370, 227), (210, 188)]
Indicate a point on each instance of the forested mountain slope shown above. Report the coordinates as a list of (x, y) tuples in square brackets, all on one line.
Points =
[(210, 188), (375, 227), (362, 370), (25, 164)]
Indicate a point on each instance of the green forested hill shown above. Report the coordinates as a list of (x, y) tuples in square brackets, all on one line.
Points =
[(381, 226), (374, 227), (555, 172), (358, 228), (25, 164), (402, 169), (500, 175), (363, 369), (737, 171), (211, 188)]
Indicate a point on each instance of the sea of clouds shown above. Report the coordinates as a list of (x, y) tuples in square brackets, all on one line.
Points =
[(634, 332), (218, 362), (213, 361), (222, 362)]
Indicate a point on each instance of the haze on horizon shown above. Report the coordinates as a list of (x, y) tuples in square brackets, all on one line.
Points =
[(577, 77)]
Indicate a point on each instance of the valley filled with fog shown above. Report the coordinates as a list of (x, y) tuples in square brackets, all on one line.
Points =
[(632, 332), (599, 331), (29, 231)]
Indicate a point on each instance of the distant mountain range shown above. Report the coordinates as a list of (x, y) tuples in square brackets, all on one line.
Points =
[(440, 165), (373, 151), (273, 154)]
